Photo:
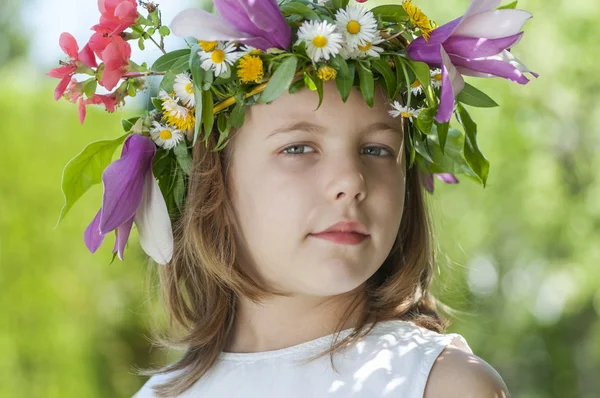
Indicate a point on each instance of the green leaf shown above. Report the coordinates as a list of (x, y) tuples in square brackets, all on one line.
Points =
[(382, 67), (475, 158), (474, 97), (401, 82), (85, 170), (179, 190), (157, 103), (154, 18), (141, 44), (452, 160), (164, 31), (319, 85), (164, 62), (367, 83), (297, 8), (340, 3), (238, 115), (390, 13), (197, 77), (296, 86), (90, 87), (129, 123), (208, 117), (180, 65), (442, 131), (423, 74), (183, 157), (280, 81), (511, 5), (425, 120), (345, 76), (308, 81), (167, 82)]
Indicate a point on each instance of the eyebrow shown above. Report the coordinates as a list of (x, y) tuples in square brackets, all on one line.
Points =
[(315, 128)]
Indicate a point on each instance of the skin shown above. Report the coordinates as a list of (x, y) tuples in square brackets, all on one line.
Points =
[(279, 200)]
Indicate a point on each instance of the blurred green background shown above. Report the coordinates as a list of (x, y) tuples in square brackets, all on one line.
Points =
[(520, 258)]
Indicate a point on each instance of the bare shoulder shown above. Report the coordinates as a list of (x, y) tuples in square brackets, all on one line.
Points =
[(457, 373)]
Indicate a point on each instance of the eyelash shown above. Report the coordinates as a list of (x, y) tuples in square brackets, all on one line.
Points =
[(301, 145)]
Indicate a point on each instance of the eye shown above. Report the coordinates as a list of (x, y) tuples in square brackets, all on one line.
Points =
[(378, 150), (295, 152)]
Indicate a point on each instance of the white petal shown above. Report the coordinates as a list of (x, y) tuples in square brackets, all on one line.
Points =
[(458, 83), (203, 25), (507, 56), (479, 6), (493, 24), (469, 72), (153, 223)]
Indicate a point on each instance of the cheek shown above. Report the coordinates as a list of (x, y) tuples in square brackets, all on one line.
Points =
[(272, 197)]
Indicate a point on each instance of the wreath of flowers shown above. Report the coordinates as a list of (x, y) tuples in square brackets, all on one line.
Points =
[(253, 53)]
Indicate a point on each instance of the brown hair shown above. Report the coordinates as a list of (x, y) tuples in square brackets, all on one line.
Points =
[(200, 286)]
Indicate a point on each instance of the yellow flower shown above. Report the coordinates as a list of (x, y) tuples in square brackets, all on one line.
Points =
[(182, 121), (250, 69), (326, 72), (207, 46), (417, 18)]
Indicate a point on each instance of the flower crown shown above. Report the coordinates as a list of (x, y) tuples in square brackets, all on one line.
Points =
[(254, 52)]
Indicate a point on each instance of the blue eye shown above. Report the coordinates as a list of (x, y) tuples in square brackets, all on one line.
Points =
[(377, 149), (294, 146)]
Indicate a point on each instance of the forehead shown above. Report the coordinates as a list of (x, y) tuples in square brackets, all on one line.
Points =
[(299, 109)]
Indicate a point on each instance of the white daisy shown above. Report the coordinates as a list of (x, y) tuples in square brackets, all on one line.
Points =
[(416, 88), (436, 78), (357, 24), (165, 136), (184, 89), (321, 38), (404, 111), (369, 49), (171, 105), (219, 59)]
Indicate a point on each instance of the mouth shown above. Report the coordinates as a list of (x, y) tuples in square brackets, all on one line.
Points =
[(342, 238)]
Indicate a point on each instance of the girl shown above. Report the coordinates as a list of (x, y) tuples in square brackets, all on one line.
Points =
[(262, 289), (304, 231)]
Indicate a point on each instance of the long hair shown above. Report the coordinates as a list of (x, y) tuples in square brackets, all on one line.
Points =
[(201, 285)]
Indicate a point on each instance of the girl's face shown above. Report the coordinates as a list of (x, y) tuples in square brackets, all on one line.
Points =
[(296, 171)]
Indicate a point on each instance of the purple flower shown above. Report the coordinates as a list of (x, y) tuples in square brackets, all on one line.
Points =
[(427, 179), (131, 194), (256, 23), (476, 44)]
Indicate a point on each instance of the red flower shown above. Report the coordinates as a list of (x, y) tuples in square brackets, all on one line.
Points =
[(117, 15), (65, 72), (116, 56)]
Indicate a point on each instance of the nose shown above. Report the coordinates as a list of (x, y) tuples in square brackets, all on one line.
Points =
[(347, 182)]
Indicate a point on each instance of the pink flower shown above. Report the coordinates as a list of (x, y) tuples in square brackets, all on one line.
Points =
[(116, 60), (117, 15), (110, 101), (74, 93), (427, 179), (64, 72)]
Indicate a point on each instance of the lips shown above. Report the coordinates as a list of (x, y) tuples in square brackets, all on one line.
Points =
[(343, 238)]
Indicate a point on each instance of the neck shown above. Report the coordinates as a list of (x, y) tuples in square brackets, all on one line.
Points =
[(283, 322)]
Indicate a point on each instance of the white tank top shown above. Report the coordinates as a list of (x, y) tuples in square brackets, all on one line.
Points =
[(393, 360)]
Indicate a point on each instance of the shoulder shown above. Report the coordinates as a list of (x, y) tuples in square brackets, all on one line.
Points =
[(457, 372), (147, 390)]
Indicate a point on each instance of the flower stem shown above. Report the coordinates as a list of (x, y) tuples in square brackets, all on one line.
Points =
[(258, 89), (142, 74), (161, 48)]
